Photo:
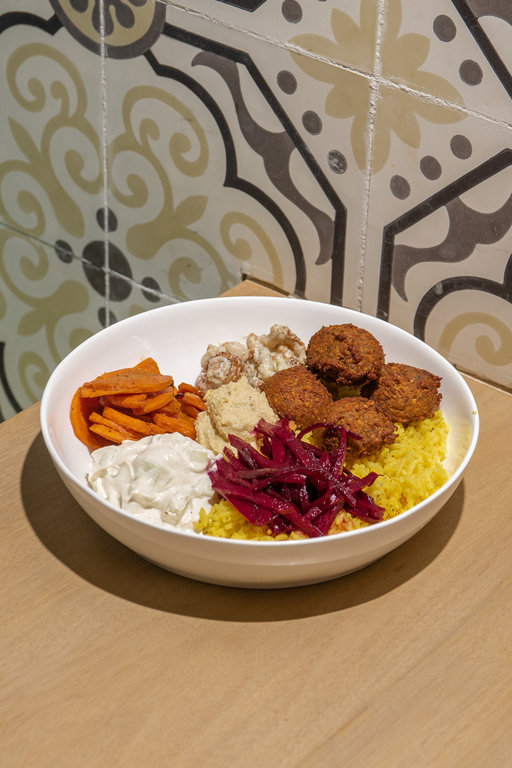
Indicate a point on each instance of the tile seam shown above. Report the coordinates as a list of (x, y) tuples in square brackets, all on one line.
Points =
[(370, 132), (104, 142), (382, 80)]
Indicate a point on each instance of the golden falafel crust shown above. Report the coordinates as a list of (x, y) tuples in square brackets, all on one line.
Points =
[(405, 393), (364, 418), (345, 354), (297, 394)]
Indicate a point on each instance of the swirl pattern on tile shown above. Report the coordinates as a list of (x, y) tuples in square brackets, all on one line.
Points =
[(130, 26), (49, 314), (402, 60)]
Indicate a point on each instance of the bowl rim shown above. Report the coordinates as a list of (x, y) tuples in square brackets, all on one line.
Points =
[(319, 541)]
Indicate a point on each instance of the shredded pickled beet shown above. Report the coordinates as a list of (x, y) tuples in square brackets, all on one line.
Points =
[(290, 484)]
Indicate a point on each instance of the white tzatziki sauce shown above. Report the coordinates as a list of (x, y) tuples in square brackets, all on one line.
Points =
[(161, 478)]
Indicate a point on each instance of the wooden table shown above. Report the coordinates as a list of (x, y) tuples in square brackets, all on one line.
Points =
[(110, 661)]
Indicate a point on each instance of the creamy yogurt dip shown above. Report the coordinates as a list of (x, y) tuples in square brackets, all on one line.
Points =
[(161, 478)]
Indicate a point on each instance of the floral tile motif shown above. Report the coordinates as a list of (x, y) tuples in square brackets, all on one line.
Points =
[(343, 32), (230, 172), (46, 309), (131, 299), (437, 48), (355, 151), (443, 229), (51, 155), (439, 232)]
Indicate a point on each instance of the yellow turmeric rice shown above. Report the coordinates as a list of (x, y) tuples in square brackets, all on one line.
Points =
[(410, 470)]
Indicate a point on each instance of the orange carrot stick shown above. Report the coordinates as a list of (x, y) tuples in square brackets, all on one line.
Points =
[(189, 398), (111, 435), (148, 364), (189, 410), (126, 401), (79, 413), (125, 383), (172, 424), (171, 409), (184, 387), (156, 402), (130, 422), (97, 418)]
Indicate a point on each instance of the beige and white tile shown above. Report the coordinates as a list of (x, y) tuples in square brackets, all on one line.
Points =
[(343, 32), (47, 308), (433, 49), (441, 230), (51, 153), (224, 161)]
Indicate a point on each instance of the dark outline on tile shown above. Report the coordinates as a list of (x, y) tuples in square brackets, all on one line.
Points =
[(244, 5), (52, 25), (232, 179), (12, 18), (461, 283), (485, 45), (479, 174), (130, 50), (5, 384)]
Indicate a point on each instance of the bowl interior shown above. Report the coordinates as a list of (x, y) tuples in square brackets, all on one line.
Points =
[(177, 336)]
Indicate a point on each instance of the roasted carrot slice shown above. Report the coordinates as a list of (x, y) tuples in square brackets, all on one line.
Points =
[(184, 387), (125, 401), (79, 413), (125, 383), (173, 424), (119, 405), (110, 435), (148, 364), (189, 410), (171, 409), (189, 398), (156, 402), (97, 418), (130, 422)]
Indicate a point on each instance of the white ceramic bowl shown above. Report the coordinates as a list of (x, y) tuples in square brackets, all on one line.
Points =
[(177, 336)]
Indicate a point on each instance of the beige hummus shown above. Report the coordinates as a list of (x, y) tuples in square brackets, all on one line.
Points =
[(232, 409)]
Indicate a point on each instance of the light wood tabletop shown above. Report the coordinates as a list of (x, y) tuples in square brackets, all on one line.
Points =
[(110, 661)]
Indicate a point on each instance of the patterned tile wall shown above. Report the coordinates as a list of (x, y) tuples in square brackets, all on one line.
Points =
[(357, 152)]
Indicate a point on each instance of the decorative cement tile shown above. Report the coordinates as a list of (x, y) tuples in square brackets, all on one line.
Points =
[(344, 33), (51, 159), (473, 327), (223, 161), (438, 48), (128, 299), (490, 23), (46, 309), (441, 225), (129, 27)]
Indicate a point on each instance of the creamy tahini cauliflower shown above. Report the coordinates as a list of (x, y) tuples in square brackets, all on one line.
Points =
[(258, 359)]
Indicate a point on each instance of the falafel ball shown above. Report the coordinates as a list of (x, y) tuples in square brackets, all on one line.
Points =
[(296, 394), (345, 354), (364, 418), (405, 393)]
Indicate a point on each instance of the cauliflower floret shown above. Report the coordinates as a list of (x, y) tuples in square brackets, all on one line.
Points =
[(258, 359)]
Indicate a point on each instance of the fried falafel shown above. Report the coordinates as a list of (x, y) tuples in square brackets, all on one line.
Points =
[(297, 394), (405, 393), (345, 354), (362, 417)]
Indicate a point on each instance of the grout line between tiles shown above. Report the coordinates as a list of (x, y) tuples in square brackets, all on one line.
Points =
[(104, 135), (370, 133), (382, 80)]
